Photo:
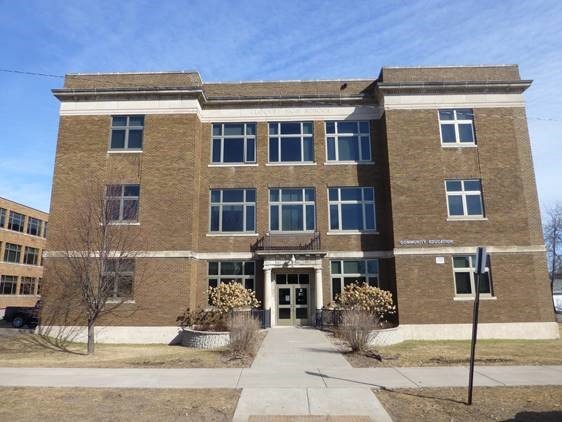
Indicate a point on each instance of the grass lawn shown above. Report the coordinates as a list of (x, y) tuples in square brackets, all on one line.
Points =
[(488, 403), (95, 404), (453, 352), (29, 350)]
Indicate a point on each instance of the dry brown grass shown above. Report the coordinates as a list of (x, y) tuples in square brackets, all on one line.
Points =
[(100, 404), (449, 353), (33, 351), (489, 403)]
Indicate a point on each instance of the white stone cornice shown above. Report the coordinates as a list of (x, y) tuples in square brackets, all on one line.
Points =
[(408, 102)]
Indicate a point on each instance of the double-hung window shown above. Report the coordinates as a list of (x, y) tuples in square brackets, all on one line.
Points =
[(291, 142), (2, 217), (8, 284), (34, 226), (126, 133), (118, 278), (464, 198), (27, 286), (31, 256), (12, 253), (232, 272), (233, 210), (292, 209), (348, 141), (16, 221), (234, 143), (122, 203), (465, 278), (352, 209), (353, 271), (457, 127)]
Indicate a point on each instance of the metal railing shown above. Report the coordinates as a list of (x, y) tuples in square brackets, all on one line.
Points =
[(288, 242)]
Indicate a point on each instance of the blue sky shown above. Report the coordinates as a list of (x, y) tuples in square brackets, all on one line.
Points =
[(263, 40)]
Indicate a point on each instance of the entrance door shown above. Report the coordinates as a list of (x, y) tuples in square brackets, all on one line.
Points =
[(292, 299)]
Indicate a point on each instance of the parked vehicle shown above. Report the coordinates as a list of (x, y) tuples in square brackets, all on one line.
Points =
[(20, 316)]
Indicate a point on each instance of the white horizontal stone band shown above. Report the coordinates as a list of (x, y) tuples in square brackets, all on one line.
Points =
[(407, 102), (468, 249)]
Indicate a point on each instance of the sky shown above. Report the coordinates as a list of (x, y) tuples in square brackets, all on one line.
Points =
[(263, 40)]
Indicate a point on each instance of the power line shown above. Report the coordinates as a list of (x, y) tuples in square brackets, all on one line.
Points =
[(21, 72)]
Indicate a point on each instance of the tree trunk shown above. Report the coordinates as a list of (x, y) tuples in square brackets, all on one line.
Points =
[(91, 343)]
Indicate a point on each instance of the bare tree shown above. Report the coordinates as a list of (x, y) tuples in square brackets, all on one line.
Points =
[(92, 272), (553, 239)]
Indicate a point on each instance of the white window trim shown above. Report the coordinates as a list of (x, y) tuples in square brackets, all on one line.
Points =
[(126, 128), (470, 270), (363, 202), (122, 198), (358, 134), (463, 194), (456, 122), (245, 137), (341, 276), (244, 205), (304, 203), (300, 136)]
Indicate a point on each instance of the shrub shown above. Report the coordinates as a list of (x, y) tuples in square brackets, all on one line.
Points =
[(244, 331), (363, 297), (356, 328), (203, 320), (230, 296)]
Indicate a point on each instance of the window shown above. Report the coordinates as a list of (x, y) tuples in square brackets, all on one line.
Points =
[(31, 256), (45, 230), (464, 198), (12, 253), (118, 275), (352, 209), (122, 203), (234, 143), (457, 127), (16, 221), (34, 226), (2, 217), (8, 284), (291, 142), (233, 210), (126, 133), (39, 283), (27, 286), (355, 271), (465, 278), (291, 209), (348, 141), (232, 271)]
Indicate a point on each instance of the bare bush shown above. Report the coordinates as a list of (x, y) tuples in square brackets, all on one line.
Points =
[(356, 328), (244, 329)]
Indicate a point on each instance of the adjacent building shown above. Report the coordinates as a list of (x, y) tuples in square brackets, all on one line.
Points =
[(22, 240), (297, 188)]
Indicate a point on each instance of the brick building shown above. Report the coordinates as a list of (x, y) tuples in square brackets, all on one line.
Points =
[(297, 188), (22, 240)]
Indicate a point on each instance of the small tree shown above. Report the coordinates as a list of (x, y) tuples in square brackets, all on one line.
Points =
[(553, 239)]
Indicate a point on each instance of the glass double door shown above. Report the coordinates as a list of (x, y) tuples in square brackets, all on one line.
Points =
[(292, 299)]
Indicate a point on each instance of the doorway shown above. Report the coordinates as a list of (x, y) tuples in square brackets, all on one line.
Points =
[(292, 298)]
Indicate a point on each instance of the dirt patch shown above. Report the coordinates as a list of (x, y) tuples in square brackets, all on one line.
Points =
[(27, 350), (489, 403), (95, 404), (457, 353)]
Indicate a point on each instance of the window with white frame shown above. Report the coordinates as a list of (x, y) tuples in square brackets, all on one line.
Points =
[(291, 209), (232, 272), (233, 143), (457, 127), (122, 203), (291, 142), (16, 221), (31, 256), (233, 210), (465, 278), (8, 284), (126, 133), (345, 272), (464, 198), (27, 286), (34, 226), (12, 253), (118, 278), (2, 217), (352, 209), (348, 141)]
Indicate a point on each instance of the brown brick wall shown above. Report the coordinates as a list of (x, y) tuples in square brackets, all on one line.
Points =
[(450, 74)]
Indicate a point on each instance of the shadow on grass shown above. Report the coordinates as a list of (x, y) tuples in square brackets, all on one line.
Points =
[(39, 341)]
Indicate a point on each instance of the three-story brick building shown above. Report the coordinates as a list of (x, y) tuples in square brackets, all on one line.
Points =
[(297, 188)]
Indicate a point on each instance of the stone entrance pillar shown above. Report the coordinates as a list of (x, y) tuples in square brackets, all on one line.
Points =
[(319, 295), (267, 296)]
